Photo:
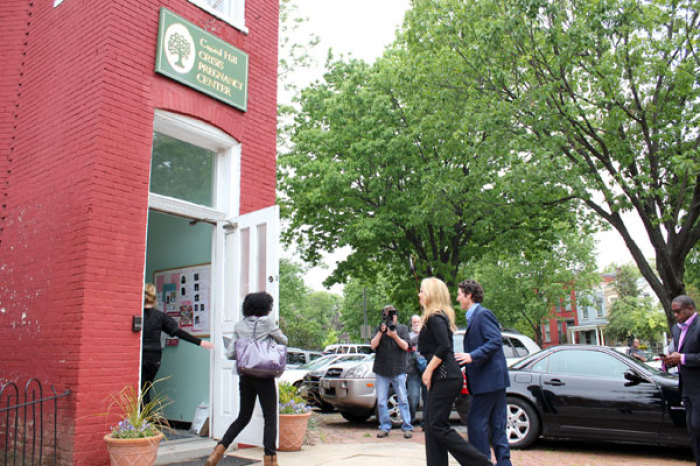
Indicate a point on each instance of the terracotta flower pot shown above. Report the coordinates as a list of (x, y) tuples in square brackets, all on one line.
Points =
[(133, 451), (292, 429)]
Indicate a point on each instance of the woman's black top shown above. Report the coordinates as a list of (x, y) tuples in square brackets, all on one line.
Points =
[(436, 339), (154, 322)]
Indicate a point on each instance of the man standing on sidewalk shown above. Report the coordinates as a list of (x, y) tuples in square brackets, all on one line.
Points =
[(487, 374), (686, 337), (390, 342), (414, 371)]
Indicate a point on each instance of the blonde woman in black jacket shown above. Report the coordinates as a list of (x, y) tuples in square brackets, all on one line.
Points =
[(443, 377)]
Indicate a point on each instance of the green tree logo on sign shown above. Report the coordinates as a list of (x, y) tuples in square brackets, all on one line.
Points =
[(179, 46)]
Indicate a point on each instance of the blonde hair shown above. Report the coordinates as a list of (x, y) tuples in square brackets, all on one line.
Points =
[(149, 294), (436, 297)]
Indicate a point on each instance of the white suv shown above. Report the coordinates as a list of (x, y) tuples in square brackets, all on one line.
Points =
[(515, 345)]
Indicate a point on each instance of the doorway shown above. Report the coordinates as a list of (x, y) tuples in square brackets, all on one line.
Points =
[(173, 246)]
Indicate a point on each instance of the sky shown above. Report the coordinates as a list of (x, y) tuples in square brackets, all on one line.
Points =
[(347, 28)]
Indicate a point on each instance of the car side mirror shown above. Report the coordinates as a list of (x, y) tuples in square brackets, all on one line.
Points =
[(633, 377)]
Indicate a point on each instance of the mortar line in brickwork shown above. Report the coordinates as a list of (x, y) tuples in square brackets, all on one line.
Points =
[(17, 105)]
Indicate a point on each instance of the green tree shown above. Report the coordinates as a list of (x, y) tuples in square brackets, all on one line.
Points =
[(374, 296), (635, 317), (632, 315), (388, 168), (522, 288), (306, 317), (602, 99)]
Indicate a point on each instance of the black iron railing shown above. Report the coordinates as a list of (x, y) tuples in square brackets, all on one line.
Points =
[(22, 423)]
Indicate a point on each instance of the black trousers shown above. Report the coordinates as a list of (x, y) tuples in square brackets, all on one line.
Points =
[(440, 437), (150, 363), (692, 419), (249, 389)]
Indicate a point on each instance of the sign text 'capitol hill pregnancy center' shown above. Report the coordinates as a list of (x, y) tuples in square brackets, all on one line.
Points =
[(200, 60)]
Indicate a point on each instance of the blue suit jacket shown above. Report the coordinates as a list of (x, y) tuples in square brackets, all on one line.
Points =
[(689, 373), (488, 370)]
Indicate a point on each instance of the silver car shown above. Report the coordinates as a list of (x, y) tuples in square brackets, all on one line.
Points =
[(310, 384)]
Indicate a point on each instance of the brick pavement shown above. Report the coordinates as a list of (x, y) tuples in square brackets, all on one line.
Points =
[(331, 428)]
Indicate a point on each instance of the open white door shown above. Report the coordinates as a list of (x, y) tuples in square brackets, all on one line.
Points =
[(247, 249)]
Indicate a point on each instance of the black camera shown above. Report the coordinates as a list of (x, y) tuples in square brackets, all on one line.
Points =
[(389, 315)]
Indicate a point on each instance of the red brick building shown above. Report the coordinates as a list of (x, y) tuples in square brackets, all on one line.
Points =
[(554, 330), (85, 218)]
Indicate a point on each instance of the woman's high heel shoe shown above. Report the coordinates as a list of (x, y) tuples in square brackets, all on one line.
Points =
[(216, 455)]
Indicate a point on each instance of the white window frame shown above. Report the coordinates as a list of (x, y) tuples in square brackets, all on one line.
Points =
[(235, 16), (227, 167)]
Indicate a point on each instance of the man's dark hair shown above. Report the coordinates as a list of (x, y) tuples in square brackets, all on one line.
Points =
[(474, 288), (257, 304), (684, 301)]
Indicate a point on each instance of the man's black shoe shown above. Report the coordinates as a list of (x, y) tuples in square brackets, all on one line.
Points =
[(407, 434), (382, 434)]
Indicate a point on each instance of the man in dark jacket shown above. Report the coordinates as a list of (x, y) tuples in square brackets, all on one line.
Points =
[(686, 337), (390, 342), (487, 374)]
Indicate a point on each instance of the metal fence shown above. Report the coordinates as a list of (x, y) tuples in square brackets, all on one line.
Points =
[(24, 422)]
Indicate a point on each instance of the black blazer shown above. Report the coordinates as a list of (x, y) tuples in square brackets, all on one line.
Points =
[(435, 339), (689, 373)]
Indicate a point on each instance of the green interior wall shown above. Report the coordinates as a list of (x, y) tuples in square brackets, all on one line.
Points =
[(172, 242)]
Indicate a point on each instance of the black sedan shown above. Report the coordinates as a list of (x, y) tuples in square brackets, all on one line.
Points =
[(592, 393)]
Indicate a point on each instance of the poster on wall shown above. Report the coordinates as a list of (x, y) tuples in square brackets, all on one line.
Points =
[(183, 294)]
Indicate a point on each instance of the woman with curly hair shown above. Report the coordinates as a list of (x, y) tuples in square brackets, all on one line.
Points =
[(256, 319)]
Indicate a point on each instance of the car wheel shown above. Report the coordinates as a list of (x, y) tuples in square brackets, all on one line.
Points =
[(326, 407), (392, 405), (355, 416), (522, 423)]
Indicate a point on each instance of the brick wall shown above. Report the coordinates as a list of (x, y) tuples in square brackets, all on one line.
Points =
[(75, 136)]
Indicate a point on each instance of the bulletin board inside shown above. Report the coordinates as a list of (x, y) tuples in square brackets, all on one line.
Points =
[(184, 294)]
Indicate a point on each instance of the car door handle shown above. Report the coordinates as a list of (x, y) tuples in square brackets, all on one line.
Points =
[(554, 382)]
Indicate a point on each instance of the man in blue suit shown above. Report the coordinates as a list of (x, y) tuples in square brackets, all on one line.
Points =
[(487, 374), (686, 337)]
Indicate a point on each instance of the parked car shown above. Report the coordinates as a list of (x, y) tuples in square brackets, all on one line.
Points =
[(592, 393), (350, 348), (351, 390), (296, 375), (652, 359), (297, 356), (516, 346), (310, 385)]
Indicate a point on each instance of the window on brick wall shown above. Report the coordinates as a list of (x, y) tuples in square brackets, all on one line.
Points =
[(547, 335), (182, 170), (231, 11), (194, 169)]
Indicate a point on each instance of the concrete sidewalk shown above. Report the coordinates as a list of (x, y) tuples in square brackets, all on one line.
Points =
[(348, 454)]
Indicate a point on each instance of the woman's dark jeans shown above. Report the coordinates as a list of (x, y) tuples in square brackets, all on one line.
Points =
[(249, 389)]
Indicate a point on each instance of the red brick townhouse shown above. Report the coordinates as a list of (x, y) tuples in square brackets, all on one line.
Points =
[(137, 144), (554, 329)]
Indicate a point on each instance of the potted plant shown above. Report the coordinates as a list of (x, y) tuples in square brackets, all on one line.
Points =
[(293, 419), (135, 439)]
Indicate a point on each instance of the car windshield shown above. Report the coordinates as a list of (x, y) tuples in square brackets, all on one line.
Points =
[(639, 363), (316, 363)]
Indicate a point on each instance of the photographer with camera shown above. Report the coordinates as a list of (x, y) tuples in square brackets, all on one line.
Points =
[(390, 342)]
